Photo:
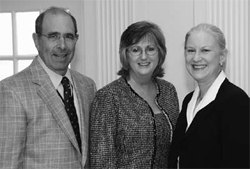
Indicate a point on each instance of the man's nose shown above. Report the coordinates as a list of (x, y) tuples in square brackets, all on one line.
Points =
[(61, 42)]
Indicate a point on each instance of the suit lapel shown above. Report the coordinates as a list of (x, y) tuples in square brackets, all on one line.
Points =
[(52, 100), (82, 100), (81, 92), (204, 113), (200, 117)]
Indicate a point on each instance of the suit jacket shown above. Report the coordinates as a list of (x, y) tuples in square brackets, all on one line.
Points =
[(218, 136), (35, 131)]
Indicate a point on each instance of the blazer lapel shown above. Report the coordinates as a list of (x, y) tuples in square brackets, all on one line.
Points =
[(82, 96), (83, 100), (200, 117), (204, 113), (53, 101)]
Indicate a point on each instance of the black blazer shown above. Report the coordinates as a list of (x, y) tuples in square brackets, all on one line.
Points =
[(218, 136)]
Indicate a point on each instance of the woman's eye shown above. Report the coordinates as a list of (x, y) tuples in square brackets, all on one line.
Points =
[(205, 50), (134, 50), (151, 48)]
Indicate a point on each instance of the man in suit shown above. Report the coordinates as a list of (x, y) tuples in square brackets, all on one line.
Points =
[(37, 130)]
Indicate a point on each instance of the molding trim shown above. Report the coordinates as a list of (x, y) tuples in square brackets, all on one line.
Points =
[(113, 16), (232, 18)]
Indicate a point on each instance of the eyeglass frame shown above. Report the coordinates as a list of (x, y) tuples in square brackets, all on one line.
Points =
[(58, 36), (129, 49)]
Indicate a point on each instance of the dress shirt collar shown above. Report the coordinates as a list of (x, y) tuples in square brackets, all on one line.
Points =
[(54, 77)]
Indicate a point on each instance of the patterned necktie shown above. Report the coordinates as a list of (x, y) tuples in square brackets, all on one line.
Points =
[(70, 108)]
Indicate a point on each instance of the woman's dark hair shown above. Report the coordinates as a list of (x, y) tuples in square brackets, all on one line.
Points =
[(134, 34)]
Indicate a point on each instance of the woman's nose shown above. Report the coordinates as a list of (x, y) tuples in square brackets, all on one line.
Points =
[(144, 55), (197, 56)]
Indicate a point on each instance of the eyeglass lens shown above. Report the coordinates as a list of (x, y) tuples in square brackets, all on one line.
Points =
[(53, 37), (137, 50)]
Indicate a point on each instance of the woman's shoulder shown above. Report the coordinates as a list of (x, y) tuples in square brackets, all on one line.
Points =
[(113, 87), (165, 86), (229, 89), (164, 83)]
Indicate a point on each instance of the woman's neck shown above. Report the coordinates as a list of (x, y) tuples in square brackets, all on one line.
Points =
[(204, 88), (205, 85), (143, 83), (147, 90)]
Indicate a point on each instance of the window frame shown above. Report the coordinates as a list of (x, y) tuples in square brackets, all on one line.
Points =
[(15, 57)]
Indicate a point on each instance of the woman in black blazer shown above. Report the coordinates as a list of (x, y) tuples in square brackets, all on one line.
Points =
[(212, 130)]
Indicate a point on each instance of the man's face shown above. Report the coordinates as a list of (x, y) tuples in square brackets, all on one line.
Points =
[(55, 46)]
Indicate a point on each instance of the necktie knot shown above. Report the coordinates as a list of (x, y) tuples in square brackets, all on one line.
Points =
[(65, 82), (67, 89)]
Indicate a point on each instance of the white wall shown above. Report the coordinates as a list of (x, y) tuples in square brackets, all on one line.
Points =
[(97, 48), (175, 17), (101, 22), (232, 17)]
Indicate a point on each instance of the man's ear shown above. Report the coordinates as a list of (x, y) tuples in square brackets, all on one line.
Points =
[(36, 40), (77, 37)]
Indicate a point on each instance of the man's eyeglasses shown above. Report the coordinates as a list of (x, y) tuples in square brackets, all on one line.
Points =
[(137, 50), (55, 37)]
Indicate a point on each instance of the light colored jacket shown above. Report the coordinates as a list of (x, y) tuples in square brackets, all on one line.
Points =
[(35, 131)]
